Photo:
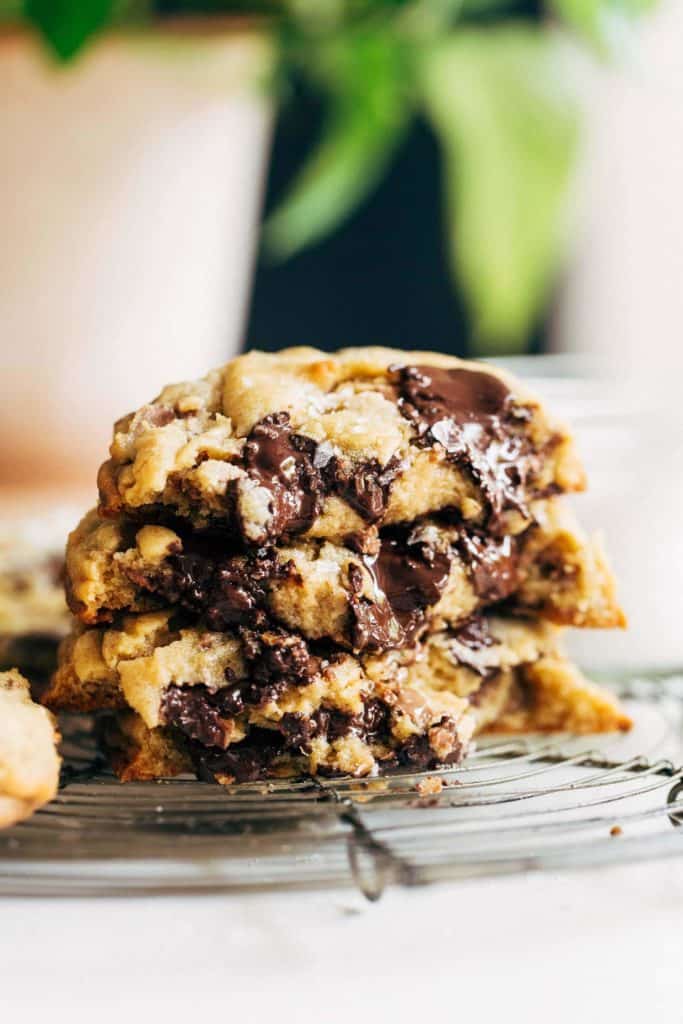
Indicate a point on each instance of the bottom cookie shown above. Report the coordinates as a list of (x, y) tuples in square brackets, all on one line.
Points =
[(548, 695), (29, 762)]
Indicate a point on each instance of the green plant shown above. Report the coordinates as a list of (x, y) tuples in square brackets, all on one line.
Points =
[(498, 91)]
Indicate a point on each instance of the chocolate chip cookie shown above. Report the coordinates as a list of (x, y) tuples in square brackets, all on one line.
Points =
[(332, 564), (303, 443), (29, 762), (376, 591)]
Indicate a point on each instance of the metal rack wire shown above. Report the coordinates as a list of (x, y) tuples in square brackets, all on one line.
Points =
[(514, 805)]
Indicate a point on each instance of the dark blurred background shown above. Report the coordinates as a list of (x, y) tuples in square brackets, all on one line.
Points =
[(382, 277)]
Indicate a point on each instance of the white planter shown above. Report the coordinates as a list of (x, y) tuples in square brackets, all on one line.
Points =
[(129, 195), (623, 305)]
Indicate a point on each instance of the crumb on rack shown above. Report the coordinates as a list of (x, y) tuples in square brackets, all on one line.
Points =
[(430, 786)]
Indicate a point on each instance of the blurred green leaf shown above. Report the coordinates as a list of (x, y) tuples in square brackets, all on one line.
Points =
[(67, 24), (606, 24), (508, 131), (365, 76), (11, 10)]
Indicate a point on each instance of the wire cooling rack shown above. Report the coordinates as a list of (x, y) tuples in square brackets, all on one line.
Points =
[(515, 805)]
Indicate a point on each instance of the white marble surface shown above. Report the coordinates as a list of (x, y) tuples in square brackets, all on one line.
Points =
[(580, 947)]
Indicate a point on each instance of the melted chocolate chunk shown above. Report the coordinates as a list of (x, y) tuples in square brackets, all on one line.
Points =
[(475, 633), (299, 473), (276, 661), (419, 752), (276, 655), (201, 714), (247, 761), (474, 417), (409, 577), (283, 462), (253, 757), (365, 488), (493, 564), (373, 624), (227, 590), (374, 722), (413, 576), (298, 731), (269, 691), (363, 542), (471, 645), (438, 394), (329, 723), (372, 725)]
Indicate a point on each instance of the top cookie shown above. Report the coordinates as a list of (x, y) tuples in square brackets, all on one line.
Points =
[(306, 443)]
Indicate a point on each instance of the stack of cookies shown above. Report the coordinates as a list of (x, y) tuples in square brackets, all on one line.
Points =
[(331, 564)]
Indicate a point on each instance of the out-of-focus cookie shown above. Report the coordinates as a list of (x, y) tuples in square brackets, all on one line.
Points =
[(33, 612), (29, 762)]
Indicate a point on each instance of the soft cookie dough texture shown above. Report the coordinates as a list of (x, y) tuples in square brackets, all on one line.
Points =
[(325, 564)]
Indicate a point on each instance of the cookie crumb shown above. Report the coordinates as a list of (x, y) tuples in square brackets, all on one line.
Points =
[(616, 830), (431, 786)]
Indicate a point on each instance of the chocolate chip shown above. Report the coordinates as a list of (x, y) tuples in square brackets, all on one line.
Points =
[(276, 654), (408, 577), (246, 761), (365, 486), (363, 542), (475, 633), (373, 625), (298, 731), (493, 564), (474, 417), (375, 721), (372, 725), (413, 575), (419, 751), (199, 713), (227, 589), (470, 645), (283, 462)]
